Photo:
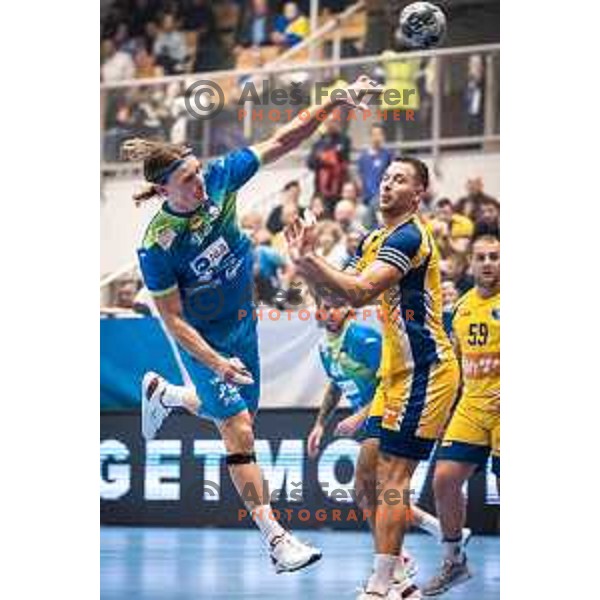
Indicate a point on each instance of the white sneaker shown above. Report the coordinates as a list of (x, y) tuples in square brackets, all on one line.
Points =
[(404, 590), (154, 412), (410, 564), (289, 554), (364, 595)]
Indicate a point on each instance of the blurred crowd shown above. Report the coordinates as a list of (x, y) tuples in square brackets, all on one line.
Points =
[(345, 207), (145, 39), (150, 38)]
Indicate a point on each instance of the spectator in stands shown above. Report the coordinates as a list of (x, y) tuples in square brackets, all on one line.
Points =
[(451, 230), (317, 207), (210, 52), (372, 163), (176, 115), (255, 27), (455, 268), (141, 13), (330, 244), (145, 64), (329, 159), (350, 192), (123, 41), (289, 194), (124, 299), (251, 223), (272, 271), (489, 215), (290, 211), (170, 47), (449, 298), (198, 16), (151, 32), (353, 239), (470, 204), (151, 112), (345, 215), (473, 96), (291, 27), (116, 64), (125, 294)]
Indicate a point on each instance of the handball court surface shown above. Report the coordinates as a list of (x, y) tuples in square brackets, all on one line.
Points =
[(221, 564)]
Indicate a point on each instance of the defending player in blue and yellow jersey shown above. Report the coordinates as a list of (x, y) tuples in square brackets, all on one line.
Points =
[(419, 373), (474, 430)]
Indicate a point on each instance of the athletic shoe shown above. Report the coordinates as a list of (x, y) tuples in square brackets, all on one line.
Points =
[(450, 574), (410, 565), (289, 554), (154, 412), (404, 590), (364, 595)]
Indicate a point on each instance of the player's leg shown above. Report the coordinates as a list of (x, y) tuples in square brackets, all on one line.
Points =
[(237, 431), (365, 481), (464, 450), (159, 398), (496, 451), (391, 522), (416, 410), (448, 482)]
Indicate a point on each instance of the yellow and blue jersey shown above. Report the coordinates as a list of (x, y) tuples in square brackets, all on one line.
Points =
[(203, 253), (413, 328), (351, 360), (476, 329), (419, 372), (474, 430)]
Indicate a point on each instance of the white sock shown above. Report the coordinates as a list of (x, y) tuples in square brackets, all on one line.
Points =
[(399, 573), (383, 569), (267, 523), (175, 395), (429, 524), (454, 551)]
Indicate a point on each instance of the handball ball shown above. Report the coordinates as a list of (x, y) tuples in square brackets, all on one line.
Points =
[(422, 25)]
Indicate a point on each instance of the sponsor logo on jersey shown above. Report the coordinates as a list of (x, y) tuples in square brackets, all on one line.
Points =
[(165, 237), (210, 258)]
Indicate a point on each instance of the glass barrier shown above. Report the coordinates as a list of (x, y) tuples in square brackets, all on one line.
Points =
[(433, 101)]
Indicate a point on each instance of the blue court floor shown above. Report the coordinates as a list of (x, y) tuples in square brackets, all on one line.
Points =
[(219, 564)]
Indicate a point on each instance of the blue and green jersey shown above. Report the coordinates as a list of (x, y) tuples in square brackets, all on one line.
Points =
[(351, 360), (204, 253)]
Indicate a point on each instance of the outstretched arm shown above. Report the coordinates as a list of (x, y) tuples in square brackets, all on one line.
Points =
[(290, 136)]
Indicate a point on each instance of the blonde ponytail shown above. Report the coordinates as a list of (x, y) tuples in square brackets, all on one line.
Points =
[(156, 156)]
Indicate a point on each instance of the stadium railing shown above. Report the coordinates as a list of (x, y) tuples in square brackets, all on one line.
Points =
[(458, 102)]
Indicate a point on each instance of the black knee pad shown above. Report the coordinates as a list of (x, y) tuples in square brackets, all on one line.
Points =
[(240, 459)]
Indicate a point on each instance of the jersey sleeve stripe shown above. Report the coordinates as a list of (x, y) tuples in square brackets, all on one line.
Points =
[(395, 258), (160, 293)]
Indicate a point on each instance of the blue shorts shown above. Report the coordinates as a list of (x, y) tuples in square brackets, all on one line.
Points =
[(371, 428), (220, 400), (468, 453)]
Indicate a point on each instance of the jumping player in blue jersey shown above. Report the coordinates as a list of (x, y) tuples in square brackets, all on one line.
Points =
[(197, 263)]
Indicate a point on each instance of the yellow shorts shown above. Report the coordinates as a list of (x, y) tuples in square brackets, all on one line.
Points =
[(473, 432), (414, 408)]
